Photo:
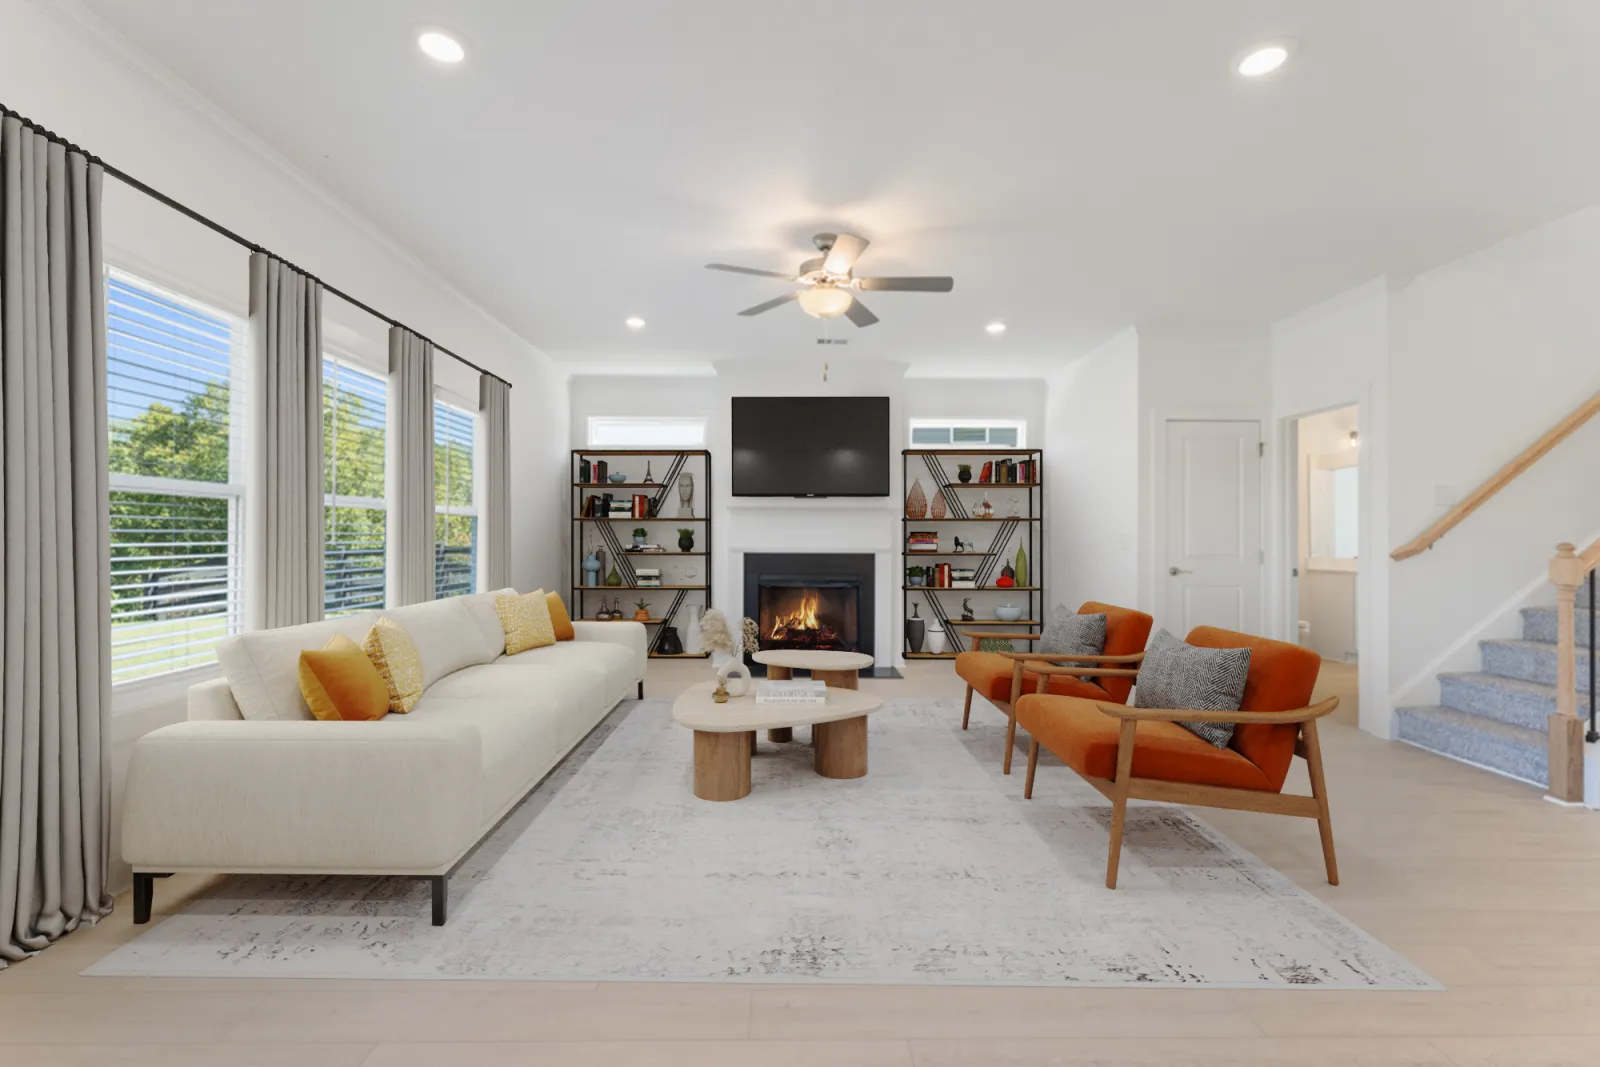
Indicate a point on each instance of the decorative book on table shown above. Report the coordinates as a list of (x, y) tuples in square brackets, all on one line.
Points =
[(794, 691)]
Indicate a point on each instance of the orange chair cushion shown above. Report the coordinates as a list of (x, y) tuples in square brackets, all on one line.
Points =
[(1127, 632), (1281, 679), (989, 673), (1085, 739)]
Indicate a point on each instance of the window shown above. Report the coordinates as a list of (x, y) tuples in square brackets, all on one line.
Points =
[(455, 532), (630, 431), (354, 403), (173, 409), (968, 433)]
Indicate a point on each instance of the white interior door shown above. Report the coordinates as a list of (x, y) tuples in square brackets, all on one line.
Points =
[(1213, 527)]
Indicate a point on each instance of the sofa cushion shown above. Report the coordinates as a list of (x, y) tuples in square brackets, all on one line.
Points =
[(990, 674), (1085, 739), (492, 639), (395, 655), (1176, 675), (560, 618), (572, 698), (612, 666), (519, 734), (446, 636), (526, 621), (1072, 634), (340, 683), (263, 667)]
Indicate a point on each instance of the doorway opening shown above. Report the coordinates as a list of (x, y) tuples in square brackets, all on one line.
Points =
[(1326, 518)]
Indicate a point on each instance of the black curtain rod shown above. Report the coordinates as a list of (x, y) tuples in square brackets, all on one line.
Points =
[(211, 224)]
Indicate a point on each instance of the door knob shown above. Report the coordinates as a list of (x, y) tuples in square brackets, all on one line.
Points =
[(1175, 571)]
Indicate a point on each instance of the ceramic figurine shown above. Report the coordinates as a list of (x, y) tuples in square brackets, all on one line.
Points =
[(961, 546), (649, 479), (685, 495), (966, 609)]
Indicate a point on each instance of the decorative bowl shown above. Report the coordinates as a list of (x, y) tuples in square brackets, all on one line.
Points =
[(1008, 613), (618, 476)]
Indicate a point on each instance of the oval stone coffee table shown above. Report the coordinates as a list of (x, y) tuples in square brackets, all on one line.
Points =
[(725, 735), (836, 670)]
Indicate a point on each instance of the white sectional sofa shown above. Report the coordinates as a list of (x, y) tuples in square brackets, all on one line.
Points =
[(253, 783)]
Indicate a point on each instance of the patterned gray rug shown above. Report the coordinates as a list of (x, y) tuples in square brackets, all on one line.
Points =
[(932, 869)]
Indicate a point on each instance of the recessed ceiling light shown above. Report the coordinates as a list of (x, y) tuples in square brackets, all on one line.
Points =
[(1265, 58), (633, 322), (996, 328), (440, 46)]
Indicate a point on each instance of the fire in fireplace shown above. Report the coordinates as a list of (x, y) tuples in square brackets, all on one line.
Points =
[(809, 617)]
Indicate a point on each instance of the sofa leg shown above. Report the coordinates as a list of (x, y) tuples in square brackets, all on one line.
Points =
[(144, 892), (966, 709), (441, 897), (641, 688), (1033, 764)]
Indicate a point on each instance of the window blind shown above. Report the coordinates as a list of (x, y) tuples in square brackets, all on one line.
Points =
[(354, 411), (455, 559)]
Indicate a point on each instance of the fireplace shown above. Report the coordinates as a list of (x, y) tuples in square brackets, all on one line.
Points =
[(810, 601)]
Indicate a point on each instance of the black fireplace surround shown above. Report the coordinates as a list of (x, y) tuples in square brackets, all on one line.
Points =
[(810, 600)]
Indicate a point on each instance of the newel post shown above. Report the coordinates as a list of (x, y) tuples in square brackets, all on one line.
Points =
[(1566, 729)]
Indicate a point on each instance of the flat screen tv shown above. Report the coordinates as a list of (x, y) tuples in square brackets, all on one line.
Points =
[(811, 446)]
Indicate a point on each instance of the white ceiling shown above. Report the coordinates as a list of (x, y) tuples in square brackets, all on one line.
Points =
[(1077, 165)]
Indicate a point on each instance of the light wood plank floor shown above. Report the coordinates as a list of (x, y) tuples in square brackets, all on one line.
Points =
[(1477, 880)]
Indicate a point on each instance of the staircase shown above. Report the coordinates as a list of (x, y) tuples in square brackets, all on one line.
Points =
[(1496, 717)]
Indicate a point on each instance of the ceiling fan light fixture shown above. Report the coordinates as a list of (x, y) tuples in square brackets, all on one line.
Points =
[(825, 301)]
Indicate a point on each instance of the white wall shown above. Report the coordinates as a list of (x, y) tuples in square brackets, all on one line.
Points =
[(1091, 467), (121, 107), (1489, 352)]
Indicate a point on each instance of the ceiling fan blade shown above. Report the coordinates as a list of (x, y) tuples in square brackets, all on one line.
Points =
[(731, 269), (847, 248), (910, 285), (857, 313), (770, 304)]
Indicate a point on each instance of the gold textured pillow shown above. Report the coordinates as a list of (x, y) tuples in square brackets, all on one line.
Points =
[(560, 621), (395, 655), (340, 683), (526, 621)]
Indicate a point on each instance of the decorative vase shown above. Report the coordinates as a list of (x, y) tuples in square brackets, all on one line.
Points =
[(686, 542), (936, 507), (641, 614), (734, 676), (613, 578), (591, 570), (1007, 572), (669, 644), (964, 475), (916, 630), (988, 508), (719, 695), (1021, 573), (935, 640), (916, 501), (618, 477)]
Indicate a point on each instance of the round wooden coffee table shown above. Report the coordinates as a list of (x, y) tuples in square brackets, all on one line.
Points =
[(725, 735), (836, 670)]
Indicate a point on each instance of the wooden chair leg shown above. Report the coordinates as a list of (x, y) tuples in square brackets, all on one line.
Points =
[(1119, 802), (966, 709), (1033, 764), (1011, 734), (1319, 790)]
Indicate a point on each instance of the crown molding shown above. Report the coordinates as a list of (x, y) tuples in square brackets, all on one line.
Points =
[(76, 16)]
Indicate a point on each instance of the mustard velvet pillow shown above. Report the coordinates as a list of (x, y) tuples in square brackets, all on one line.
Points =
[(560, 621), (525, 620), (395, 656), (340, 683)]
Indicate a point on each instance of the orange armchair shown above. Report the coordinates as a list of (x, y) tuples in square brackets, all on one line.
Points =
[(1002, 677), (1143, 754)]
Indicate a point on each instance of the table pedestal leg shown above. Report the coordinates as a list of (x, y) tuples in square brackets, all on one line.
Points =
[(838, 679), (782, 734), (722, 764), (841, 747)]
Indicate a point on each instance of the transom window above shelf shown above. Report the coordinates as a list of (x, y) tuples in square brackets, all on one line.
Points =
[(969, 433)]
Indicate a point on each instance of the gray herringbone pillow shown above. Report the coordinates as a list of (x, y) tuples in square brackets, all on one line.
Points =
[(1176, 675), (1067, 633)]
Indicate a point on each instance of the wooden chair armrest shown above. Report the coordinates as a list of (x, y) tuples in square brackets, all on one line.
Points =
[(978, 635), (1267, 718)]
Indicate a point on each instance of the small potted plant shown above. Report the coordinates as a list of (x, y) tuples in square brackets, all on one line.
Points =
[(639, 534), (641, 610), (914, 575), (964, 472), (685, 540)]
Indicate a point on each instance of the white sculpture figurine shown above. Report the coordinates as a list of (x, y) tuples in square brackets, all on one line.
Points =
[(686, 496)]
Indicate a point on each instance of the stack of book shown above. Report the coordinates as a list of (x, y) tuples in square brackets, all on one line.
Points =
[(796, 691), (1009, 472), (963, 578), (647, 577), (939, 575), (619, 509), (922, 541), (592, 473), (647, 548)]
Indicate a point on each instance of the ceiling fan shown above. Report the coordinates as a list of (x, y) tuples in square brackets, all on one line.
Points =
[(828, 287)]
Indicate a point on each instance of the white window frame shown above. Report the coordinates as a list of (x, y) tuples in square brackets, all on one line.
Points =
[(647, 429), (334, 500), (1020, 425), (231, 491)]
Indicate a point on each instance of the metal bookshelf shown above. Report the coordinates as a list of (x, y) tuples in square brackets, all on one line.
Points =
[(602, 533), (937, 469)]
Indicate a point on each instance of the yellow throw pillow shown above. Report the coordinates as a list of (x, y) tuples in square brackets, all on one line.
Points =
[(395, 656), (340, 683), (526, 621), (560, 621)]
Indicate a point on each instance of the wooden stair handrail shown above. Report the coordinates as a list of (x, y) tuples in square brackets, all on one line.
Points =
[(1502, 478)]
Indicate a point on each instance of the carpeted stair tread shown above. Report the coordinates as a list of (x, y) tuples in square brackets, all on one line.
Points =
[(1531, 661), (1540, 624), (1508, 700), (1512, 750)]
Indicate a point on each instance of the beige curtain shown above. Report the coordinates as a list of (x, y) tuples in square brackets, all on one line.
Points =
[(493, 491), (54, 777), (283, 496), (409, 478)]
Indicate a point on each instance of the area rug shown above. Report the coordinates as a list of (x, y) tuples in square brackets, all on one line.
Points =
[(931, 869)]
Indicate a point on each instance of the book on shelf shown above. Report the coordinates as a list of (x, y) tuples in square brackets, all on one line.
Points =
[(646, 549), (986, 473), (794, 691), (599, 471), (585, 472)]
